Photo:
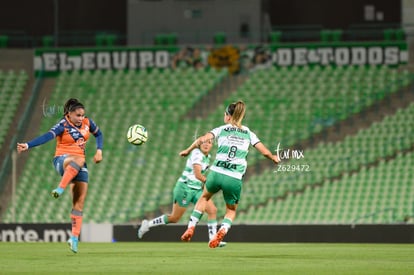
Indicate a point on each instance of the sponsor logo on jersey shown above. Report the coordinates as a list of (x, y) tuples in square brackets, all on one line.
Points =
[(226, 164), (235, 129), (236, 139)]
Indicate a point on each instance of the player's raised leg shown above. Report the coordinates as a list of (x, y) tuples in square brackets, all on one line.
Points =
[(176, 214), (69, 167)]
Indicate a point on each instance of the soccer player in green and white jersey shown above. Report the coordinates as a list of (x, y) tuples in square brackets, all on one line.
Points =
[(188, 189), (228, 169)]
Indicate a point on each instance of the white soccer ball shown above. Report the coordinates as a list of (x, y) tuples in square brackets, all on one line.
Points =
[(137, 134)]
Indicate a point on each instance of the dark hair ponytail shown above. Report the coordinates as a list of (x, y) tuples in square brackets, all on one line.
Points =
[(71, 105)]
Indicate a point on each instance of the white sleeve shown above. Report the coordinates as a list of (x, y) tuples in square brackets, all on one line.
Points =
[(253, 139), (196, 157), (216, 131)]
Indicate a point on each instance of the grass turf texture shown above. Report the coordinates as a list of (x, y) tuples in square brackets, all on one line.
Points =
[(197, 258)]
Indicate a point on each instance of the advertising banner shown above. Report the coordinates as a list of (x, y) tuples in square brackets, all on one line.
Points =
[(231, 57), (35, 232)]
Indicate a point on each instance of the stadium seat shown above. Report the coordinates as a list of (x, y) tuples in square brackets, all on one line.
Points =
[(4, 41), (275, 36), (219, 38), (47, 41)]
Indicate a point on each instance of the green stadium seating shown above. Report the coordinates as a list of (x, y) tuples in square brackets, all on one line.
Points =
[(349, 160), (289, 105), (12, 85), (374, 195), (300, 111), (394, 34)]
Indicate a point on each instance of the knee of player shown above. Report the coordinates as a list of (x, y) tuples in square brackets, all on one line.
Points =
[(79, 161), (231, 207)]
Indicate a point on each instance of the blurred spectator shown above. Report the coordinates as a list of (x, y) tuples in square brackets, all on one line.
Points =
[(261, 58), (188, 57)]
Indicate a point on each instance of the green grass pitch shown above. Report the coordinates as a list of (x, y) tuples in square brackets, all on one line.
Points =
[(197, 258)]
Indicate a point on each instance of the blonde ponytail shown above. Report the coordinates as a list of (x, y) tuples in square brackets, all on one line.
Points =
[(237, 111)]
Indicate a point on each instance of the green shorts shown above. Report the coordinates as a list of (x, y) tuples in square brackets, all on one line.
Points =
[(230, 186), (184, 195)]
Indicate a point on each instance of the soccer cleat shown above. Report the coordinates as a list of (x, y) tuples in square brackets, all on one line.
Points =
[(217, 239), (144, 228), (188, 234), (57, 192), (221, 244), (73, 244)]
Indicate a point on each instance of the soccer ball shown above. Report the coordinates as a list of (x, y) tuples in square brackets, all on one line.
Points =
[(137, 134)]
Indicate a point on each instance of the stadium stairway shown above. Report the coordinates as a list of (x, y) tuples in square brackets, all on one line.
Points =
[(17, 61), (216, 96), (31, 131)]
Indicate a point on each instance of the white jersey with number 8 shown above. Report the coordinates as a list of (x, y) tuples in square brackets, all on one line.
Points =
[(233, 147)]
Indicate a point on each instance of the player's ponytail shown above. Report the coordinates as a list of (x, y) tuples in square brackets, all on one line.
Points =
[(237, 111), (71, 105)]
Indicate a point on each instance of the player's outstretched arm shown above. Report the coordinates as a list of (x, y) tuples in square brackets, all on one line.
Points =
[(265, 152), (196, 144), (21, 147), (188, 150)]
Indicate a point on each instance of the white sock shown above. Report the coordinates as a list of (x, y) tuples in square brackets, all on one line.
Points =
[(158, 221), (226, 224), (212, 228), (195, 218)]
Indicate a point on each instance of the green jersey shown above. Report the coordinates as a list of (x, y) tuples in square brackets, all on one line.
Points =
[(233, 147), (188, 177)]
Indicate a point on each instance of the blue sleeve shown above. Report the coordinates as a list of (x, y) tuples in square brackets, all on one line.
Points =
[(94, 129), (54, 131), (99, 139), (41, 139)]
